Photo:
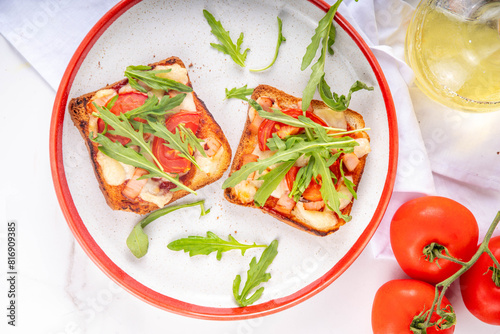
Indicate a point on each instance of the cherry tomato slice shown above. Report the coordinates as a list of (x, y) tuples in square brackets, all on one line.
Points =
[(125, 102), (290, 176), (169, 158), (312, 192), (268, 127), (191, 120)]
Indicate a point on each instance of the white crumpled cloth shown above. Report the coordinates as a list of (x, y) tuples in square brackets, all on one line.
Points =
[(441, 151)]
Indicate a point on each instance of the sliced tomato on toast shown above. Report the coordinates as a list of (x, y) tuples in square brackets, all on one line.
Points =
[(169, 158), (125, 102)]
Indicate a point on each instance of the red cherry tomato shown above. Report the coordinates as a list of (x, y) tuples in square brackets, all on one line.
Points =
[(312, 192), (191, 120), (427, 220), (396, 304), (169, 158), (480, 294), (290, 176), (124, 102), (268, 127), (127, 102)]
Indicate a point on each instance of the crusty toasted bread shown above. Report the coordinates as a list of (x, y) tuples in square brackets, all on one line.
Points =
[(249, 143), (81, 114)]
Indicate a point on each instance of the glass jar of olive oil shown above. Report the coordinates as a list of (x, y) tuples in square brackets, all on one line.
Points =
[(453, 47)]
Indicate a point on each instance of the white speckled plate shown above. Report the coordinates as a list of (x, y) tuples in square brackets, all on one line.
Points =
[(134, 33)]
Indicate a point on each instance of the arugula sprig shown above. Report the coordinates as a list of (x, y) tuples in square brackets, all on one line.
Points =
[(150, 78), (198, 245), (335, 102), (256, 275), (127, 155), (281, 39), (321, 35), (227, 46), (138, 241), (183, 140), (122, 127), (292, 149), (155, 107), (323, 38), (271, 182), (239, 93)]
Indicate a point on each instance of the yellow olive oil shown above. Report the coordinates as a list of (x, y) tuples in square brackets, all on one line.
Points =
[(456, 60)]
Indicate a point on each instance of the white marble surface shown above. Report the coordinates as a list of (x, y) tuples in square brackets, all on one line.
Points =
[(61, 291)]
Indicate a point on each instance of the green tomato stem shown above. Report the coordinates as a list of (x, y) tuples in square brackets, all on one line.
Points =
[(452, 259), (483, 248)]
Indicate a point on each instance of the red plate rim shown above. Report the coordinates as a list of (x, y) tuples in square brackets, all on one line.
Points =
[(157, 299)]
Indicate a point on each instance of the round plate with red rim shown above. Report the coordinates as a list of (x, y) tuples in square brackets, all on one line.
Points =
[(136, 33)]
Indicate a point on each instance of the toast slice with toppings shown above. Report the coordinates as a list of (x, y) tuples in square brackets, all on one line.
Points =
[(159, 94), (267, 174)]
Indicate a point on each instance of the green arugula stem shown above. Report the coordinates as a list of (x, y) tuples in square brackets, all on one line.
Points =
[(444, 285), (281, 39)]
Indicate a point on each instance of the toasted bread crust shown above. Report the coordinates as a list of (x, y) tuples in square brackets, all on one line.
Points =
[(248, 142), (194, 179)]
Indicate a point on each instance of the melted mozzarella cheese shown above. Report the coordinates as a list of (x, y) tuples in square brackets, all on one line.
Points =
[(245, 191), (316, 219), (151, 193), (177, 73), (209, 165), (126, 89), (334, 119), (281, 189), (262, 154), (112, 171), (129, 170), (363, 148)]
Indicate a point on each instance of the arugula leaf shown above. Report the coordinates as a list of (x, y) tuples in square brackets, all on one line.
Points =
[(122, 127), (227, 46), (321, 35), (191, 139), (154, 107), (294, 149), (331, 39), (328, 192), (129, 156), (197, 245), (239, 93), (255, 276), (281, 39), (333, 101), (138, 241), (111, 102), (302, 180), (175, 141), (150, 78), (271, 182)]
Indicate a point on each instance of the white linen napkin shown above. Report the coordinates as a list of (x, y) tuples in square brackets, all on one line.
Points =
[(47, 33), (462, 150)]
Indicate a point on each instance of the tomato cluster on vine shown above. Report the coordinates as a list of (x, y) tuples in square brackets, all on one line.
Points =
[(434, 240)]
